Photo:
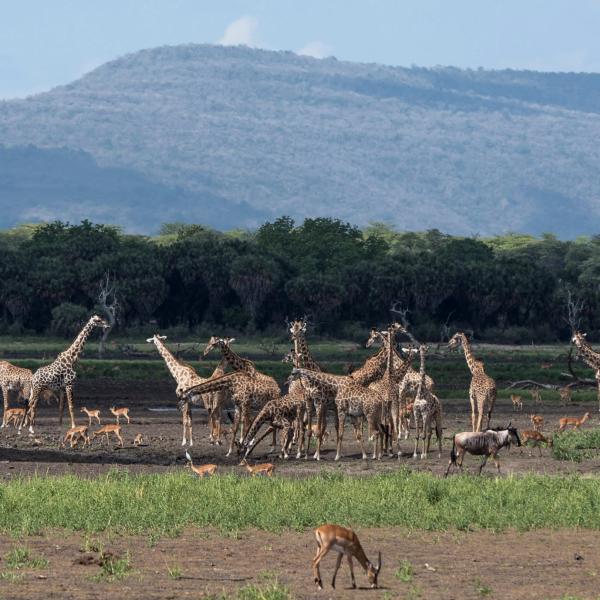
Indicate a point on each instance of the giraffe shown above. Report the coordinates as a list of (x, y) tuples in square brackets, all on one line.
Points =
[(215, 402), (245, 390), (350, 398), (13, 379), (237, 362), (60, 375), (408, 384), (426, 410), (280, 413), (590, 357), (482, 391), (388, 386), (185, 376)]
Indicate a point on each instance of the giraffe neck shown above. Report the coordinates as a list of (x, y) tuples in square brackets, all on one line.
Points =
[(589, 355), (318, 378), (266, 414), (177, 370), (220, 368), (421, 386), (468, 354), (237, 362), (373, 368), (304, 355), (71, 354)]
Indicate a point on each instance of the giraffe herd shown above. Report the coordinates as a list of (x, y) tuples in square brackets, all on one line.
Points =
[(384, 393)]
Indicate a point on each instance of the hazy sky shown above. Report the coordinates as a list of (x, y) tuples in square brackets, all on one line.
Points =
[(44, 43)]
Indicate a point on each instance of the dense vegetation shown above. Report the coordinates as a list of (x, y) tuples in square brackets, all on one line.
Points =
[(464, 151), (510, 288), (161, 503)]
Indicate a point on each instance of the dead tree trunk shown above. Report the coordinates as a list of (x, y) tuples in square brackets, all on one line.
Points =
[(107, 300)]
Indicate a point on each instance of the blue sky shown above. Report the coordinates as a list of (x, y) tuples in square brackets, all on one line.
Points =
[(44, 43)]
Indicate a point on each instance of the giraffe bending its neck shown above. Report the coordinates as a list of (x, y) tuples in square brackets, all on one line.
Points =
[(590, 357), (60, 375), (482, 391), (184, 376), (237, 362)]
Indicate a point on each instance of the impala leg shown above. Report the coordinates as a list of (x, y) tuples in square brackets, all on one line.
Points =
[(338, 562), (321, 552), (120, 438), (349, 557)]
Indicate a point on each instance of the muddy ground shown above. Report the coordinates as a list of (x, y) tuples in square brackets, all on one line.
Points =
[(162, 434), (535, 565)]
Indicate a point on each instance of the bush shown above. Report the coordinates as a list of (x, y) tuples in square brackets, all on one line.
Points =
[(67, 319)]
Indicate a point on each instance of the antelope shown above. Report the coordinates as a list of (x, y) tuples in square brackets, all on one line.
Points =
[(202, 470), (517, 402), (546, 366), (74, 434), (565, 394), (537, 421), (15, 415), (116, 429), (577, 423), (536, 437), (92, 414), (262, 469), (139, 440), (536, 396), (345, 542), (486, 443), (120, 412)]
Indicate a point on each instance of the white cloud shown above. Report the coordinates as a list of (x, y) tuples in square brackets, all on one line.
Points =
[(316, 49), (241, 32)]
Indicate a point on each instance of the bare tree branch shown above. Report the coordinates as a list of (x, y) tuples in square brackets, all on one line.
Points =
[(574, 309), (108, 302), (402, 313)]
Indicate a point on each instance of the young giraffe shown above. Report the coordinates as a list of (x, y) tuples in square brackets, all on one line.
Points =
[(245, 390), (280, 413), (13, 379), (185, 376), (482, 391), (350, 398), (60, 375), (426, 410), (590, 357)]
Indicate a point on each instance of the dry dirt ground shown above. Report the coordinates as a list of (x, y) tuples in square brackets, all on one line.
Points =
[(538, 564), (162, 435)]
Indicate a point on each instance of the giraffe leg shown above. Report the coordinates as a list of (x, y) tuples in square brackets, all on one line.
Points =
[(426, 436), (439, 433), (29, 416), (69, 391), (184, 411), (61, 406), (308, 432), (5, 398), (479, 420), (340, 433), (358, 426), (319, 419), (417, 435), (473, 411), (234, 429), (188, 422)]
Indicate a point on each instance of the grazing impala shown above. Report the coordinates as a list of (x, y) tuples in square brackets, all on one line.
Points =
[(116, 429), (74, 434), (517, 402), (120, 412), (202, 470), (577, 423), (92, 414), (537, 421), (262, 469), (345, 543), (139, 440)]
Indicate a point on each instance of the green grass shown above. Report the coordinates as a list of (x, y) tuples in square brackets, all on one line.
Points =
[(405, 571), (113, 568), (576, 445), (166, 504), (271, 591), (21, 558), (174, 571)]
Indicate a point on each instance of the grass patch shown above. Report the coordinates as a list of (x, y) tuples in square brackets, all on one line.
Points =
[(405, 572), (576, 445), (21, 558), (232, 503), (113, 568), (271, 591), (11, 576)]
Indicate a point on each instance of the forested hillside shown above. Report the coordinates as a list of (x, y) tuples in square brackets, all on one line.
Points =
[(504, 289), (465, 151)]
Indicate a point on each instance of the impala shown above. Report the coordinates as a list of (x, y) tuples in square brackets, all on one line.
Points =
[(577, 423), (116, 429), (92, 414), (74, 434), (120, 412), (202, 470), (262, 469)]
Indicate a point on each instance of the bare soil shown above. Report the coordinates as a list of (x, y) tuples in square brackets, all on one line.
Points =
[(535, 565), (162, 435)]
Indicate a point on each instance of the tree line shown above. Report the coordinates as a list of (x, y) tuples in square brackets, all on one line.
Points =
[(511, 288)]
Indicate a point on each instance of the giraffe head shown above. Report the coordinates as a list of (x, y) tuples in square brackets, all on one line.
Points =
[(298, 328), (97, 321), (455, 341), (216, 342), (156, 338), (374, 336), (578, 337)]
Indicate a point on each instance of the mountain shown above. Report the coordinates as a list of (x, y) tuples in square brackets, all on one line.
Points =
[(251, 134)]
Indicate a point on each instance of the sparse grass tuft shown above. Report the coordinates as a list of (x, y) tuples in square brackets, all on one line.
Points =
[(113, 568), (405, 572), (11, 576), (21, 558), (482, 588), (174, 571)]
